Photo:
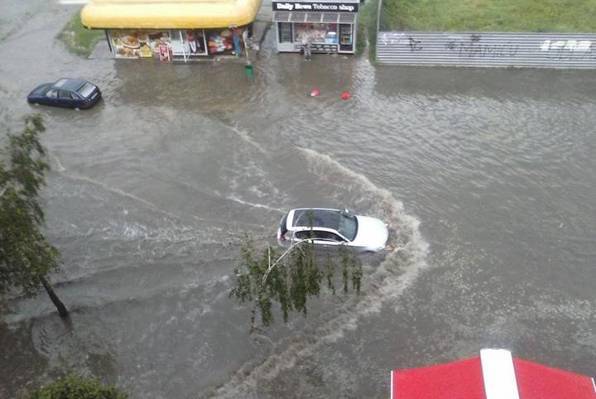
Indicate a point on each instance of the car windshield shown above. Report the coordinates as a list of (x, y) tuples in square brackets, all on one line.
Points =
[(344, 223), (41, 90), (348, 226), (86, 89)]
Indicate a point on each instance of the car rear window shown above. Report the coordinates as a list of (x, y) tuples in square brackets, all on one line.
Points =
[(86, 89)]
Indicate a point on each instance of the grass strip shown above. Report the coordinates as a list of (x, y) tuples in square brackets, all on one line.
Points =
[(490, 15), (78, 39), (367, 28)]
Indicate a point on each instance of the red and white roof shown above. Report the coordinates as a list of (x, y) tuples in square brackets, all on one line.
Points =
[(492, 375)]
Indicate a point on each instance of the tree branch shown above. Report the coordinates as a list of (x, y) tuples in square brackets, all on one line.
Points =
[(271, 266)]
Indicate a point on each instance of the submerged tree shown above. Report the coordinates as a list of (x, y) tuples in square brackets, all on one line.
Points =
[(26, 257), (289, 278)]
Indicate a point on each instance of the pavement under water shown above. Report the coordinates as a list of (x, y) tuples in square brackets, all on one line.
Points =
[(488, 177)]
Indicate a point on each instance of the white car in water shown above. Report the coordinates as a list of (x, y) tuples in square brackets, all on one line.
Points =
[(332, 227)]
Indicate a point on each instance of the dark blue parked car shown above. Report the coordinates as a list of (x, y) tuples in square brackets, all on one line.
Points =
[(68, 93)]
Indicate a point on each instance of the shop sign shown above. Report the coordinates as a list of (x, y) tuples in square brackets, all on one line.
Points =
[(320, 7)]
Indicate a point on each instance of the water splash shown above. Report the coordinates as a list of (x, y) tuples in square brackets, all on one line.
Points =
[(252, 204), (385, 285), (243, 134)]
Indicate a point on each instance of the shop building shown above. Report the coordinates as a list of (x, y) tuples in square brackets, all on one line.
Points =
[(326, 26), (173, 30)]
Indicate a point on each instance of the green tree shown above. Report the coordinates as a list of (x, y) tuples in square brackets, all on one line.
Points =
[(26, 257), (289, 278), (76, 387)]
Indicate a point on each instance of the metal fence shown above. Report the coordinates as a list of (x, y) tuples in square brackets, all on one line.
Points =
[(533, 50)]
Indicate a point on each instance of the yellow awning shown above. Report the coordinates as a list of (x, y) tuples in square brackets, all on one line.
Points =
[(163, 14)]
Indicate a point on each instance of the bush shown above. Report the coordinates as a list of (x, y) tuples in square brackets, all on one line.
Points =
[(76, 387)]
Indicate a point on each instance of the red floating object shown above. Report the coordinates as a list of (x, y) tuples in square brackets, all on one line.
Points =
[(346, 95), (315, 92)]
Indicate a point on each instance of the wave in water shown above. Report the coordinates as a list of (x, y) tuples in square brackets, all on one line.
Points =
[(386, 284)]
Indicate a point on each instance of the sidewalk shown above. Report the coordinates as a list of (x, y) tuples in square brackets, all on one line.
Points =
[(262, 23)]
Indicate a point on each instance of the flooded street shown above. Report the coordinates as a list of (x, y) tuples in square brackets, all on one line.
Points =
[(488, 176)]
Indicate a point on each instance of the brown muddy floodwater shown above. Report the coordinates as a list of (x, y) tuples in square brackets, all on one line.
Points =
[(489, 176)]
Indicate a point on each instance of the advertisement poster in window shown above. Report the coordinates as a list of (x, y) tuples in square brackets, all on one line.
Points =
[(194, 42), (220, 41), (139, 44)]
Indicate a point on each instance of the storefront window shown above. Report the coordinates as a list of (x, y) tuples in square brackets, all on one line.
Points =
[(316, 33), (227, 41), (285, 32), (135, 44), (194, 42)]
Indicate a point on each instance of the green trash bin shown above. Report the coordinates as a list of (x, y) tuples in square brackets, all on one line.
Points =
[(249, 70)]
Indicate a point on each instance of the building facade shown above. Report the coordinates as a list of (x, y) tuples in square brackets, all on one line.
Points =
[(324, 26), (173, 30)]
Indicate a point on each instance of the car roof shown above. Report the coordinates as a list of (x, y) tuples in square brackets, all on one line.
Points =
[(69, 84), (317, 217)]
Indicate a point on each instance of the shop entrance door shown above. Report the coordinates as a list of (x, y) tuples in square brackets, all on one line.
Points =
[(346, 38)]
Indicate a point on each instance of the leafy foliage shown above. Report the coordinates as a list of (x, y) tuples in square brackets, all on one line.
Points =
[(289, 278), (76, 387), (26, 257)]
